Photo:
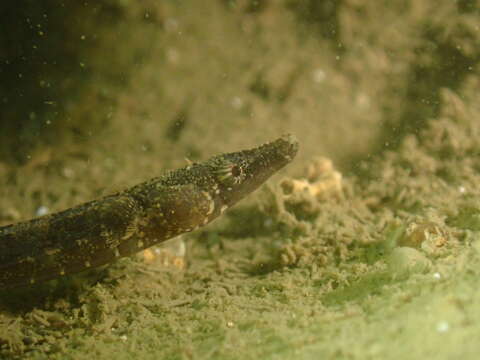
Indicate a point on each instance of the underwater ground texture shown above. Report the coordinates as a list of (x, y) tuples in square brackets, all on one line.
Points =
[(366, 247)]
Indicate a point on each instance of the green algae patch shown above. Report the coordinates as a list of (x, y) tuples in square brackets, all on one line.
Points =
[(467, 218)]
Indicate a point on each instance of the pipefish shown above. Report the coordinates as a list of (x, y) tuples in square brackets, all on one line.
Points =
[(101, 231)]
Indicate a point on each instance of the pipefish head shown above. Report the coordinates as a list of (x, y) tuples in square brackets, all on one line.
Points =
[(227, 178), (237, 174)]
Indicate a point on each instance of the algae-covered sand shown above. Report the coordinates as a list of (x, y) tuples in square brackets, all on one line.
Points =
[(366, 247)]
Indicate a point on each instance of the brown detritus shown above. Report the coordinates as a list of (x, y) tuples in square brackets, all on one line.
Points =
[(428, 236), (322, 180), (303, 252), (311, 214), (304, 198)]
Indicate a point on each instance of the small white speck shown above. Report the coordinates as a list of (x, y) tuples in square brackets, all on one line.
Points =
[(172, 56), (443, 326), (363, 101), (116, 252), (237, 102), (68, 173), (230, 324), (223, 208), (437, 276), (42, 210), (123, 337), (319, 76), (461, 189)]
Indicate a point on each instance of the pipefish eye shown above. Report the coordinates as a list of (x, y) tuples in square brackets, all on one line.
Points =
[(230, 173), (236, 171)]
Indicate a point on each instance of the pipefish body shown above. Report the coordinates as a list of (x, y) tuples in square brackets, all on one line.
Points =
[(101, 231)]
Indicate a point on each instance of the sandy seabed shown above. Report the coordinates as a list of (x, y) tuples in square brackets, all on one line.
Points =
[(366, 247)]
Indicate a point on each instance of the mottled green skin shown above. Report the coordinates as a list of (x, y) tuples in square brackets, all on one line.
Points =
[(100, 231)]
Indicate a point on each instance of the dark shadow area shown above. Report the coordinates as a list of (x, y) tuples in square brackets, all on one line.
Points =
[(48, 63), (25, 299), (43, 295), (245, 222), (439, 62), (322, 15), (446, 67)]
